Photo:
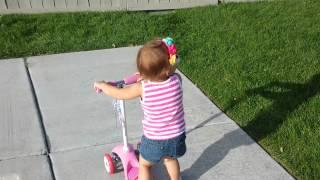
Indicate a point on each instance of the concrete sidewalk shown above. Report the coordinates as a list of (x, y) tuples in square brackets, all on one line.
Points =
[(54, 126)]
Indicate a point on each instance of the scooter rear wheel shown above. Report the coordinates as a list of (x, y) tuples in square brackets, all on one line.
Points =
[(109, 164)]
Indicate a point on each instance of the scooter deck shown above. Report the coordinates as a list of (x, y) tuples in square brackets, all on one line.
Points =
[(129, 161)]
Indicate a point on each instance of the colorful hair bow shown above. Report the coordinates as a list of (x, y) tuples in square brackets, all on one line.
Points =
[(172, 50)]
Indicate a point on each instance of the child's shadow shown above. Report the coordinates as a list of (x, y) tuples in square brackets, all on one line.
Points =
[(286, 97)]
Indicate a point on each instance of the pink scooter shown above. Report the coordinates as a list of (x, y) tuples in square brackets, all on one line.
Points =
[(123, 154)]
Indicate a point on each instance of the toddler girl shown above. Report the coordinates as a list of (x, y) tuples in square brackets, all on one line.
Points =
[(160, 91)]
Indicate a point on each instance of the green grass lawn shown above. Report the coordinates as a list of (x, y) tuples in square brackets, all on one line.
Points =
[(259, 62)]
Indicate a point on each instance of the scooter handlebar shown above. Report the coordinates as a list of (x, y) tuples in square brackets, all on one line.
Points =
[(131, 79), (119, 84), (98, 90), (126, 81)]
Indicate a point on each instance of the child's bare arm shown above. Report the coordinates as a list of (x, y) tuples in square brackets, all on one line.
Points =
[(129, 92)]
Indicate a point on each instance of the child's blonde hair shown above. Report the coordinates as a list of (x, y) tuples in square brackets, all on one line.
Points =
[(153, 61)]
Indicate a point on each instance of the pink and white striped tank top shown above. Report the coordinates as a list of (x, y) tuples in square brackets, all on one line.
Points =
[(163, 109)]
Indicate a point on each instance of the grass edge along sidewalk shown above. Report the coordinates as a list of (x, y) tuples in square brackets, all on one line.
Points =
[(258, 61)]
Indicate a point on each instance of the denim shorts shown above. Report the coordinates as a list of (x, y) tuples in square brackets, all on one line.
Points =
[(154, 150)]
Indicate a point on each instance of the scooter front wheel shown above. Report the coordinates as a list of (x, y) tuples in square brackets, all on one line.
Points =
[(109, 164)]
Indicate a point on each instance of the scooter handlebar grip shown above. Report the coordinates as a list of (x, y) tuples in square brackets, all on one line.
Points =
[(98, 90), (131, 79)]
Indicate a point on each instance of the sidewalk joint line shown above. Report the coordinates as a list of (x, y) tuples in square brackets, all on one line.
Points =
[(135, 138), (193, 128), (42, 126), (51, 167), (23, 156)]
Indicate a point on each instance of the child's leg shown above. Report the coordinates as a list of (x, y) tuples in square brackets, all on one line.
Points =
[(144, 169), (173, 167)]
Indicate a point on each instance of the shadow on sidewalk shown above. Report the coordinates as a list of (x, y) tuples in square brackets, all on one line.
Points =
[(285, 97)]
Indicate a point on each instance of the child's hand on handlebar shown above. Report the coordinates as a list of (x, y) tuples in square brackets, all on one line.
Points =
[(97, 86)]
